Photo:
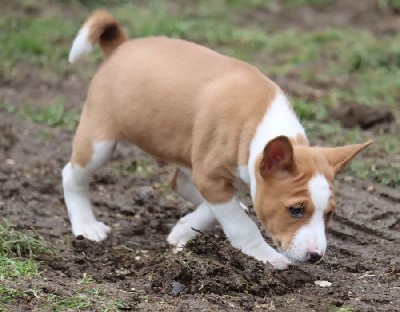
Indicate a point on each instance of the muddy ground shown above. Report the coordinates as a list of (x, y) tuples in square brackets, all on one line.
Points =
[(135, 265)]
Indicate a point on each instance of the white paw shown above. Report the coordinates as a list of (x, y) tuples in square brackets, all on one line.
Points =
[(180, 235), (280, 262), (94, 231), (266, 253)]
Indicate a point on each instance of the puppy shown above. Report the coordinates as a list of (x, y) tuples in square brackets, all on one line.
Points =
[(221, 121)]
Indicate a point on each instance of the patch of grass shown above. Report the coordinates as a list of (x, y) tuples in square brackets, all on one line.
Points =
[(376, 170), (142, 166), (307, 111), (17, 268), (345, 64), (16, 243), (300, 3), (76, 302), (53, 116), (7, 294), (14, 246), (42, 42), (390, 4), (93, 299), (86, 279), (332, 133)]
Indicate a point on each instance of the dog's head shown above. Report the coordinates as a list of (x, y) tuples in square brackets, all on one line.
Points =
[(294, 194)]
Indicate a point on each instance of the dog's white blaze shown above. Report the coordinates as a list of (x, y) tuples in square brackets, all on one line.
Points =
[(76, 194), (319, 191), (81, 45), (278, 120), (311, 237)]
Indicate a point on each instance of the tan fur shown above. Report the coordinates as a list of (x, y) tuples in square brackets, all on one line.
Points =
[(179, 92), (189, 105), (103, 28), (281, 190)]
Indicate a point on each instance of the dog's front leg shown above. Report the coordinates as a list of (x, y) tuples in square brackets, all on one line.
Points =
[(244, 234)]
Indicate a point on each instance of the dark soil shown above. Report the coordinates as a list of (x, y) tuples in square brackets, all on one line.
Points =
[(353, 114), (135, 264)]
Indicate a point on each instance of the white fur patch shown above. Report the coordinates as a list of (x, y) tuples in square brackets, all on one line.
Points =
[(319, 191), (278, 120), (81, 45), (311, 237), (76, 194)]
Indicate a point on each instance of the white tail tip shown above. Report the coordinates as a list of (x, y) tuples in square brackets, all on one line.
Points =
[(81, 46)]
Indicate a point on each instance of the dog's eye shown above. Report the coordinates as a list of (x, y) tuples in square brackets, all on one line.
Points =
[(328, 216), (296, 211)]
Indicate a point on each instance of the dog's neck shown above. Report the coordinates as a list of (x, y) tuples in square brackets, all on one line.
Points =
[(279, 119)]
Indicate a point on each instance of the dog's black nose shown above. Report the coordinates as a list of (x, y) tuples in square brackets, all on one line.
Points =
[(314, 257)]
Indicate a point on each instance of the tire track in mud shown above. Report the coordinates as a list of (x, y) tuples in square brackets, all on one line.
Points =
[(364, 240), (366, 221)]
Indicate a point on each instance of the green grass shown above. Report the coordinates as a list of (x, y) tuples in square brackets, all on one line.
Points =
[(16, 261), (40, 42), (19, 267), (84, 300), (376, 170), (10, 268), (343, 64), (54, 115), (389, 4), (15, 243)]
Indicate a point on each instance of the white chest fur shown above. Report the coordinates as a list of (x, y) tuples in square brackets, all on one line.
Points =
[(279, 119)]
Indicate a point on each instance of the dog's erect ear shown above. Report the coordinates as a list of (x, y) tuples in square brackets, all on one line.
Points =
[(338, 157), (277, 156)]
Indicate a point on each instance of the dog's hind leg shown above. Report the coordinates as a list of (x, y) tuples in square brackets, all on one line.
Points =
[(200, 220), (181, 183), (91, 149)]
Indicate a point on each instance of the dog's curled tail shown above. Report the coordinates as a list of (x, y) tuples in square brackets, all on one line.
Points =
[(99, 27)]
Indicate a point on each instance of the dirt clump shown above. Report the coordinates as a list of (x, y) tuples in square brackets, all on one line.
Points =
[(366, 117)]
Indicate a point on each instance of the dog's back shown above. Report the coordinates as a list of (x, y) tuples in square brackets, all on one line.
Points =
[(170, 87)]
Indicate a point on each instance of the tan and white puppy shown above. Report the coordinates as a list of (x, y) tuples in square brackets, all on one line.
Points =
[(222, 122)]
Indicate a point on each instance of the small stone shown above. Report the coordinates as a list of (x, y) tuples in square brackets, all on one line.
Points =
[(176, 288), (122, 272), (10, 162), (370, 189), (323, 283)]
